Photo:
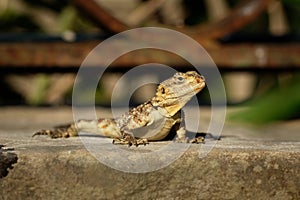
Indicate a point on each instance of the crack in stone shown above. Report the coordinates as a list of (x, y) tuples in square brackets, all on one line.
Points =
[(7, 159)]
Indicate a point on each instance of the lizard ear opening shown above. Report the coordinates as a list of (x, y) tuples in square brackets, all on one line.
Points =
[(160, 90), (163, 91)]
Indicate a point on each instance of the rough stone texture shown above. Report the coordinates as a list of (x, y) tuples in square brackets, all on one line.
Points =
[(241, 166)]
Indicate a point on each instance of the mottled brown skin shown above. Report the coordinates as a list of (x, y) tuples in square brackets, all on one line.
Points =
[(152, 120)]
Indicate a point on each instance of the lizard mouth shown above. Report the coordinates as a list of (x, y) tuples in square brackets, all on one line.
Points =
[(200, 83)]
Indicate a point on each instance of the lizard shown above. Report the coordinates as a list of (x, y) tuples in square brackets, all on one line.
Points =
[(156, 119)]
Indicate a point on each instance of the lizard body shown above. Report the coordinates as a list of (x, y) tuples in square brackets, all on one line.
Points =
[(152, 120)]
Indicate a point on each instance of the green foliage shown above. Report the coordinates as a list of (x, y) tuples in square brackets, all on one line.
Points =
[(195, 12), (38, 96), (14, 21), (69, 19), (55, 5), (292, 10), (278, 104), (293, 2), (66, 15)]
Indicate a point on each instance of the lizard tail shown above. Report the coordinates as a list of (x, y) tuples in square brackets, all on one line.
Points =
[(59, 132)]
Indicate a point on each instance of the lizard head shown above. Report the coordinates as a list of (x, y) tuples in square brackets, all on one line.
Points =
[(173, 93)]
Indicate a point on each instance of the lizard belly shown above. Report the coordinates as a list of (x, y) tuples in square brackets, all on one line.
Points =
[(157, 129), (163, 132)]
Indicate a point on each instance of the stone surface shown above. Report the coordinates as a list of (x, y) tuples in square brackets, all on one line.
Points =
[(245, 164)]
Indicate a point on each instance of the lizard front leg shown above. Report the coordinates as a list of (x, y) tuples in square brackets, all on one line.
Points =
[(181, 132), (182, 138), (179, 127)]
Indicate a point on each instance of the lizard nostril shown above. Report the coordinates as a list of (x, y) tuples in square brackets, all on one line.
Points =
[(202, 77)]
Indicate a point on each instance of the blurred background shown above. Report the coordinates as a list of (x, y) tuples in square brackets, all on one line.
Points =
[(254, 43)]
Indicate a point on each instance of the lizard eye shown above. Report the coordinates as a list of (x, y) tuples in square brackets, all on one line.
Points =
[(180, 78)]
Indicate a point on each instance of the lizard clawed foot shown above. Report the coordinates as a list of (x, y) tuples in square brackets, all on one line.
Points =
[(130, 140), (201, 137), (198, 140)]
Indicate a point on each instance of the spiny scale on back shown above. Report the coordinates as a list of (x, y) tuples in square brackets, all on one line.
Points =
[(152, 120)]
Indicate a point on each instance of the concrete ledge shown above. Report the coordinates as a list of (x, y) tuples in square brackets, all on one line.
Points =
[(237, 168), (68, 172)]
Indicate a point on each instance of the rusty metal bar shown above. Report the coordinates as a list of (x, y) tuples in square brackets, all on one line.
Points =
[(243, 14), (100, 16), (230, 56), (54, 54)]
